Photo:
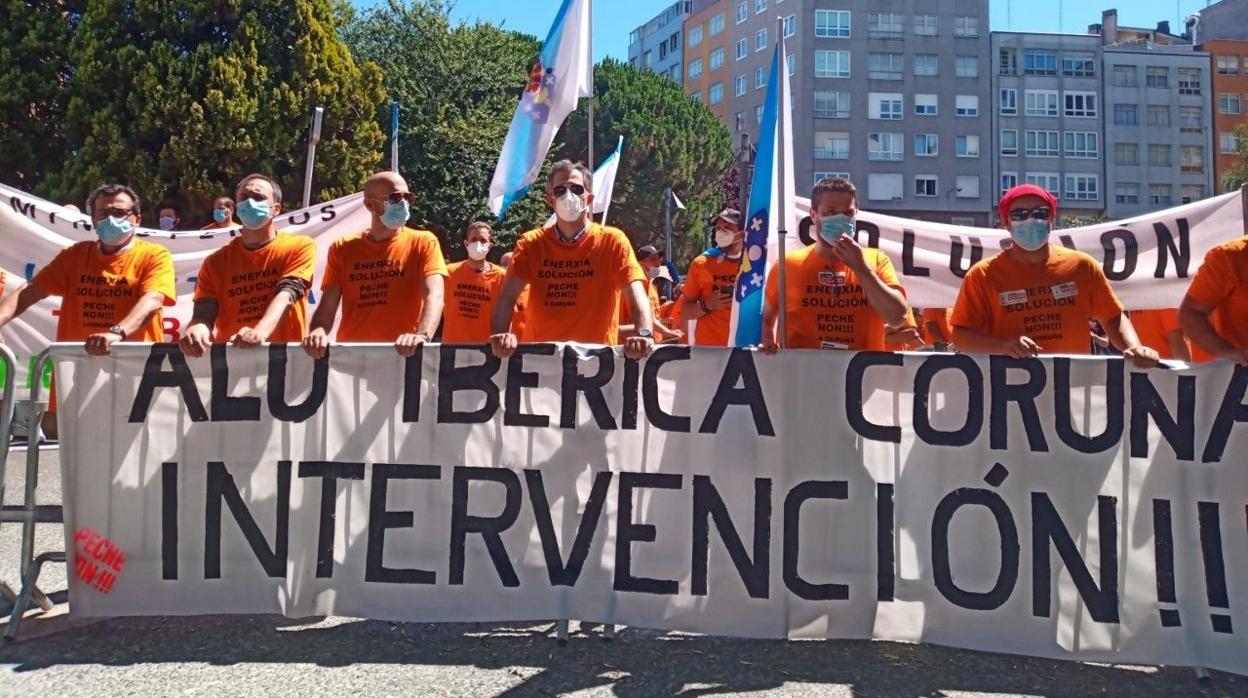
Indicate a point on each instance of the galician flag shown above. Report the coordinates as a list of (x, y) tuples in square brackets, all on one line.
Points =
[(604, 180), (771, 203), (561, 75)]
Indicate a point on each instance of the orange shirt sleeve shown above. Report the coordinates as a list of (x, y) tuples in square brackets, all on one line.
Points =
[(628, 269), (158, 276), (54, 277), (333, 267), (697, 280), (301, 261), (972, 309), (1215, 280), (1105, 303), (521, 265), (888, 274), (431, 251)]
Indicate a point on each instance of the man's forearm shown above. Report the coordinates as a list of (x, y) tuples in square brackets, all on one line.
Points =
[(282, 300), (888, 302), (1121, 334), (431, 313), (505, 306), (204, 312), (971, 341), (1200, 331), (138, 315)]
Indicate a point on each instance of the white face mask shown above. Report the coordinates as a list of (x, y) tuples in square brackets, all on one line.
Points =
[(478, 250), (724, 238), (652, 272), (569, 207)]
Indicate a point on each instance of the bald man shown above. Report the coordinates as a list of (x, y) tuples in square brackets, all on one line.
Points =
[(388, 279)]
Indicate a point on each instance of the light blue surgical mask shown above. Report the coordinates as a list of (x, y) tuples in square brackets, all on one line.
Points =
[(220, 215), (113, 231), (253, 214), (833, 227), (1030, 234), (395, 214)]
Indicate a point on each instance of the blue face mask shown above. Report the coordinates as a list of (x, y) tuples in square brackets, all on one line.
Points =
[(833, 227), (253, 214), (220, 215), (395, 214), (113, 231), (1030, 234)]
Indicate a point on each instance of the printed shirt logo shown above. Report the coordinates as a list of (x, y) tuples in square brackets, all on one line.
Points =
[(1018, 297), (832, 278), (1066, 290)]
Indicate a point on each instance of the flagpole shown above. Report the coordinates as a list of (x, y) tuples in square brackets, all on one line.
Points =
[(782, 74), (589, 6)]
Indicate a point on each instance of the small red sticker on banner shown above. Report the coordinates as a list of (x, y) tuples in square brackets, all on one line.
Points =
[(97, 560)]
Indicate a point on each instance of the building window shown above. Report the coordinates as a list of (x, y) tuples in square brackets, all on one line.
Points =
[(885, 106), (820, 176), (1192, 159), (1083, 187), (1191, 192), (1159, 155), (696, 96), (1009, 142), (966, 105), (1159, 194), (1079, 65), (695, 36), (790, 26), (715, 27), (884, 66), (1041, 144), (1007, 62), (760, 78), (1037, 62), (663, 49), (647, 59), (832, 145), (758, 114), (1228, 103), (790, 62), (1126, 154), (743, 12), (675, 41), (1009, 180), (1157, 76), (1125, 76), (831, 64), (885, 25), (966, 67), (760, 39), (964, 221), (1079, 104), (925, 64), (1127, 193), (715, 94), (966, 27), (925, 25), (1228, 143), (925, 105), (743, 48), (925, 185), (1228, 65), (967, 187), (695, 69), (831, 105), (1008, 105), (760, 6), (831, 24), (1081, 144), (742, 83), (885, 187), (884, 146), (1040, 102), (926, 145), (1126, 115), (967, 146), (1189, 81), (1045, 180), (1158, 115), (717, 59), (1191, 119)]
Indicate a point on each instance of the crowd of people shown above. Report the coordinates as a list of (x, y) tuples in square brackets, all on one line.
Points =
[(579, 281)]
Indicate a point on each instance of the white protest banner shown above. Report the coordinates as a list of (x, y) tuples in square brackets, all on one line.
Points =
[(36, 230), (1060, 507)]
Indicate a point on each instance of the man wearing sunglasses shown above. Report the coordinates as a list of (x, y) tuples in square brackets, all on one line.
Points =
[(1035, 298), (388, 279), (253, 290), (576, 271)]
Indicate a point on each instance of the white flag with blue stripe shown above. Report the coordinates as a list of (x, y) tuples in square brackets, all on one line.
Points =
[(561, 75)]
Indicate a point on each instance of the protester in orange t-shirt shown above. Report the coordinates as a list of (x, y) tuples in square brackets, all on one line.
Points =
[(709, 283), (1160, 330), (576, 271), (839, 295), (471, 288), (222, 214), (649, 259), (1035, 298), (253, 290), (112, 289), (1214, 314)]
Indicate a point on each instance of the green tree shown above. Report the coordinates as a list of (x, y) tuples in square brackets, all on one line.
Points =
[(1236, 175), (458, 86), (180, 98), (669, 141)]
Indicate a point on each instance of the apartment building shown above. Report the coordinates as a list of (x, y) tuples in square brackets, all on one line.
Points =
[(707, 43), (658, 44)]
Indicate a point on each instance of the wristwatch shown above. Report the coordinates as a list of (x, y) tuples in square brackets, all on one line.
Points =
[(119, 331), (647, 333)]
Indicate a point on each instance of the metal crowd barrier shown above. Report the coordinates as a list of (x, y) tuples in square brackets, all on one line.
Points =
[(28, 513)]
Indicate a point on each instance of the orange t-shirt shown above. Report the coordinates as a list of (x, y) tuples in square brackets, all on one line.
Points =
[(1222, 282), (243, 283), (382, 283), (669, 313), (1050, 302), (98, 290), (939, 316), (1152, 326), (574, 288), (827, 306), (470, 298), (707, 276), (518, 322)]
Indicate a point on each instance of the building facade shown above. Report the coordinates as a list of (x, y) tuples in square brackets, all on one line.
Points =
[(658, 44), (1229, 70), (1227, 19), (707, 43)]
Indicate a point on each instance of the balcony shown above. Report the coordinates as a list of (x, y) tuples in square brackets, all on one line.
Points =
[(831, 153)]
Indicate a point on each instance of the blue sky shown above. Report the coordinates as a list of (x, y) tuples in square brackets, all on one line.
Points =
[(614, 19)]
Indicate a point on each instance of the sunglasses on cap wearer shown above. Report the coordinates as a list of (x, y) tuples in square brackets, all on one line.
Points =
[(115, 212), (562, 189), (1040, 213), (395, 197)]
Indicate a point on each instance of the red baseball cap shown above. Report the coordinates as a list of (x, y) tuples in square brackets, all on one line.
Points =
[(1008, 199)]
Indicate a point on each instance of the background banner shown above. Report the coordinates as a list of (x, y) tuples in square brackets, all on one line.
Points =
[(1068, 508)]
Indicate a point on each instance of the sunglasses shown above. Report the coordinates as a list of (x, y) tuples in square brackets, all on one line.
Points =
[(563, 189), (395, 197), (1040, 213), (116, 212)]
